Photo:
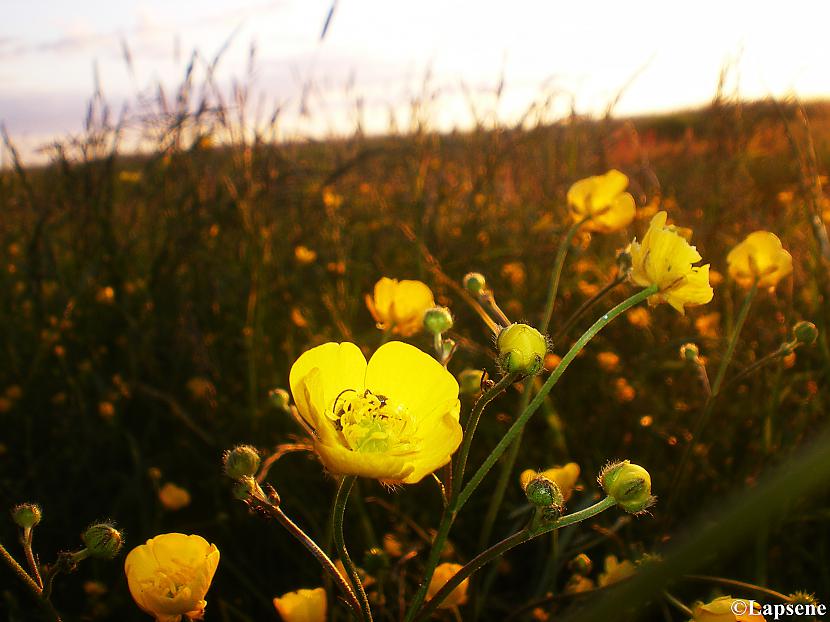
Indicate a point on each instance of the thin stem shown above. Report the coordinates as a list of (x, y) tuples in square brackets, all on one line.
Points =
[(678, 605), (781, 352), (500, 548), (459, 499), (36, 591), (26, 541), (276, 512), (340, 544), (482, 402), (708, 405), (741, 584), (585, 306), (556, 273)]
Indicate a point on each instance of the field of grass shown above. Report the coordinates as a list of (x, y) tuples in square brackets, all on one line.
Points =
[(151, 303)]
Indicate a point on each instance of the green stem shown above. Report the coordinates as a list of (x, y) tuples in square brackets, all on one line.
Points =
[(482, 402), (340, 544), (459, 499), (679, 605), (505, 545), (556, 274), (708, 405), (26, 541), (741, 584), (29, 583), (585, 306)]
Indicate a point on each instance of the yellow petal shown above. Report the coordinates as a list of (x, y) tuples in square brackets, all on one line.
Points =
[(439, 444), (342, 461), (694, 290), (443, 573), (760, 257), (619, 214), (302, 606)]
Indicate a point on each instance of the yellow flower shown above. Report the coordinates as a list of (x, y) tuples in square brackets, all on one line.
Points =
[(615, 570), (727, 609), (760, 257), (639, 317), (608, 361), (565, 477), (394, 419), (665, 259), (443, 573), (399, 306), (604, 199), (304, 255), (170, 575), (302, 606), (174, 497)]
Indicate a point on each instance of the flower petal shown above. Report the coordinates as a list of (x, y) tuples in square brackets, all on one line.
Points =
[(342, 461), (439, 444)]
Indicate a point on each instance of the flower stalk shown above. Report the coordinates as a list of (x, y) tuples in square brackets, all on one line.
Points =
[(339, 511)]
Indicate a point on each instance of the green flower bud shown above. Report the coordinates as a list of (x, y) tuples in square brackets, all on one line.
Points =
[(247, 487), (629, 485), (522, 349), (689, 352), (102, 540), (375, 561), (581, 564), (27, 515), (474, 282), (241, 461), (469, 381), (805, 333), (280, 398), (437, 320), (544, 493)]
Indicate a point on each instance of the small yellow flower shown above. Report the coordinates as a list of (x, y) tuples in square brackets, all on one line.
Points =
[(394, 418), (564, 476), (727, 609), (608, 361), (759, 258), (399, 306), (174, 497), (615, 570), (639, 317), (443, 573), (302, 605), (578, 583), (665, 258), (604, 199), (170, 575)]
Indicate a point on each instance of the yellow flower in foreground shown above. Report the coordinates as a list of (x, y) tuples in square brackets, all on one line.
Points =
[(170, 575), (760, 257), (399, 306), (443, 573), (394, 419), (665, 258), (604, 199), (302, 606), (615, 570), (727, 609), (565, 477), (174, 497)]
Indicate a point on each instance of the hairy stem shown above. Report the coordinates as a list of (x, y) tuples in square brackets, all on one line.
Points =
[(340, 500)]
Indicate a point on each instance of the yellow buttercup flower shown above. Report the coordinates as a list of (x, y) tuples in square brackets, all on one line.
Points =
[(302, 606), (604, 199), (665, 258), (394, 418), (443, 573), (614, 571), (727, 609), (170, 575), (399, 306), (565, 477), (174, 497), (759, 258)]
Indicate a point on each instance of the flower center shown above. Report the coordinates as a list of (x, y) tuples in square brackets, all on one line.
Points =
[(373, 423)]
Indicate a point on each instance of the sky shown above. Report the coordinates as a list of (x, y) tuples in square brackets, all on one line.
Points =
[(661, 55)]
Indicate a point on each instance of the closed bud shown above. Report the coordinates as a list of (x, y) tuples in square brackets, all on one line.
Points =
[(474, 282), (27, 515), (629, 485), (805, 333), (102, 540), (522, 349), (280, 398), (689, 352), (581, 565), (241, 461), (469, 381), (544, 493), (437, 320)]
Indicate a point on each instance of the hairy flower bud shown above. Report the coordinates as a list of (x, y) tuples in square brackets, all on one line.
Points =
[(280, 398), (27, 515), (805, 333), (544, 493), (246, 488), (522, 349), (469, 381), (241, 461), (474, 282), (102, 540), (437, 320), (628, 484), (689, 352)]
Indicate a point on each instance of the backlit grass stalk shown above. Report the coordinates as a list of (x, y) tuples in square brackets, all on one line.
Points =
[(339, 511), (460, 498)]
